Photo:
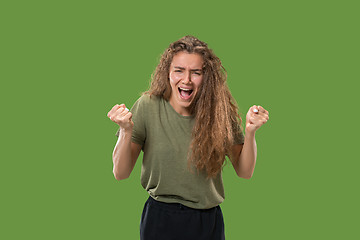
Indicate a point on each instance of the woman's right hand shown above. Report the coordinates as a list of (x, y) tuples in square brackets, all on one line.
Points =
[(120, 115)]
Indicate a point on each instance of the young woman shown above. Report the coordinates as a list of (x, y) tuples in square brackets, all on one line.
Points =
[(186, 123)]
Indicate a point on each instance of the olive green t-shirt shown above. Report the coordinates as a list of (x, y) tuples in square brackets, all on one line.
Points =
[(165, 137)]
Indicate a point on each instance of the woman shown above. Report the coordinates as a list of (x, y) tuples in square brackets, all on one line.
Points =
[(186, 123)]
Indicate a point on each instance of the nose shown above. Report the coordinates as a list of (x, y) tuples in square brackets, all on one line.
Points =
[(187, 77)]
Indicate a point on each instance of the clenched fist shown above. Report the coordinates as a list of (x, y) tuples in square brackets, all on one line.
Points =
[(255, 118), (120, 115)]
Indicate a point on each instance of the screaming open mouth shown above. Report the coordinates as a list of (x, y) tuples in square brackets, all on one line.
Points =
[(185, 93)]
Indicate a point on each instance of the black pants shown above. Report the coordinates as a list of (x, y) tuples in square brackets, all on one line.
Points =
[(173, 221)]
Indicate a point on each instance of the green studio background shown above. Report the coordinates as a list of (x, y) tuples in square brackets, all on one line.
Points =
[(64, 64)]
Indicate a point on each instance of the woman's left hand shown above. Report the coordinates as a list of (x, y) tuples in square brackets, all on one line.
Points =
[(255, 118)]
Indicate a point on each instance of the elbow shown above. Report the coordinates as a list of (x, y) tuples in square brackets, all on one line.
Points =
[(246, 175), (120, 176)]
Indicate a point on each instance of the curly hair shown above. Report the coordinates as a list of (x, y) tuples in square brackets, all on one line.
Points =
[(216, 114)]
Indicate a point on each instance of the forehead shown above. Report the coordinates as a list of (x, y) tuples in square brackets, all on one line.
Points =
[(187, 60)]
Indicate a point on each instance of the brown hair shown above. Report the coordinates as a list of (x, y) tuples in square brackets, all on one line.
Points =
[(214, 108)]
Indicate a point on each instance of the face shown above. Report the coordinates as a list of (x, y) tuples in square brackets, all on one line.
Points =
[(185, 78)]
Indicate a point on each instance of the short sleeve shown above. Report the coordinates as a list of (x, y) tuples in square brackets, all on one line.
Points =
[(138, 117)]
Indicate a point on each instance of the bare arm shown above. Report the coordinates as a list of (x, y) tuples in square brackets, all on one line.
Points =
[(125, 155), (125, 152), (244, 156)]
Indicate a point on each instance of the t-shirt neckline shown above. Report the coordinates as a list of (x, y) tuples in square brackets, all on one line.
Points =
[(178, 114)]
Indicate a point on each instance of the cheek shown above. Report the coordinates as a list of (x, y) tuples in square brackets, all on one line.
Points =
[(197, 81), (174, 78)]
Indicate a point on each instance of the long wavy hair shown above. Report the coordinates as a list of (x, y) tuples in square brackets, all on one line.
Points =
[(216, 114)]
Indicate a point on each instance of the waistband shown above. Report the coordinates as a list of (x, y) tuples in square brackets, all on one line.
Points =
[(176, 206)]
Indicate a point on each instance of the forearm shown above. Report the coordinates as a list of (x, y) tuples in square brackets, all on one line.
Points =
[(247, 158), (122, 155)]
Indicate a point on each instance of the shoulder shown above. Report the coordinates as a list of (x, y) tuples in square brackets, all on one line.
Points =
[(148, 100), (146, 104)]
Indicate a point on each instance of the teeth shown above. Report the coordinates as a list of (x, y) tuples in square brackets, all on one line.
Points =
[(184, 89)]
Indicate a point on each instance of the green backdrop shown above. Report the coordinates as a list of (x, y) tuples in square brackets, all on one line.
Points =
[(64, 64)]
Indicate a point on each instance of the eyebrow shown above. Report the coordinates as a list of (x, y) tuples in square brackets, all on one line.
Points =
[(190, 69)]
